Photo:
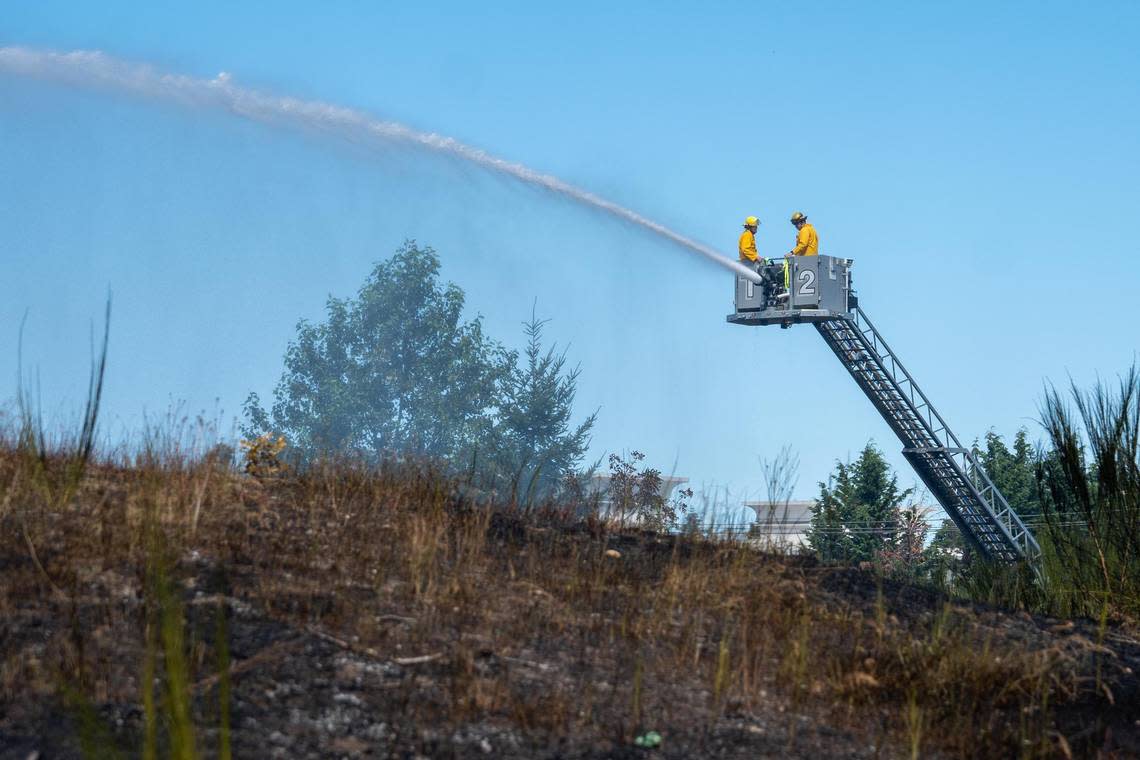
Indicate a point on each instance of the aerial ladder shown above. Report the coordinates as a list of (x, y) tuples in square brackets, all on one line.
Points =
[(818, 290)]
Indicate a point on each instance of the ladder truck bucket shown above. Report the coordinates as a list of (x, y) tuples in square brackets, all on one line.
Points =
[(818, 290), (795, 290)]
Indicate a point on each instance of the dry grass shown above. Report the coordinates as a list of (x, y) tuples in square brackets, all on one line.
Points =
[(491, 625)]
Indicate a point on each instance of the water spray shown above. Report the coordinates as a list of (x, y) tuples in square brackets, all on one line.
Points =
[(97, 70)]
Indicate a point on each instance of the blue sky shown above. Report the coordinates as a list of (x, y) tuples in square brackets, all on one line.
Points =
[(978, 161)]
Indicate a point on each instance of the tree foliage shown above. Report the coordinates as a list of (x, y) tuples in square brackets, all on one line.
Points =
[(857, 513), (394, 370), (906, 557), (829, 534), (535, 443), (640, 493), (398, 371), (1012, 471)]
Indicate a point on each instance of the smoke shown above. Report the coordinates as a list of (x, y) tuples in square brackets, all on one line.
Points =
[(96, 70)]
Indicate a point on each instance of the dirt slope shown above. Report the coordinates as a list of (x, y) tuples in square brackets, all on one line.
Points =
[(376, 615)]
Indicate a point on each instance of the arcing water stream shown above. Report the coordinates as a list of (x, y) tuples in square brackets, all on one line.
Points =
[(94, 69)]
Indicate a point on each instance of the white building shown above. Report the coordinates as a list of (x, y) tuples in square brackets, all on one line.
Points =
[(782, 523)]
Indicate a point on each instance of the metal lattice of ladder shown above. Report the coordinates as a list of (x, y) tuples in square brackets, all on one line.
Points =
[(948, 469)]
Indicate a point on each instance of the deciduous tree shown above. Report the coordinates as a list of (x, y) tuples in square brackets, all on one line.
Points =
[(395, 370)]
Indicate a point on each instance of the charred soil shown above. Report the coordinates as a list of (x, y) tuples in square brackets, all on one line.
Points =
[(358, 611)]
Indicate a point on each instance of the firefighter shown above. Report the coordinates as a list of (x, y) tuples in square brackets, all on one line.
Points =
[(748, 255), (807, 242)]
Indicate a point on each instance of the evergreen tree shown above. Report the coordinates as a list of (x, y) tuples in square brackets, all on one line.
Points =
[(878, 498), (1013, 472), (828, 535), (857, 513), (536, 444)]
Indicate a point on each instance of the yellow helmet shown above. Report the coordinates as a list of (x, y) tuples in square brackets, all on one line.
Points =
[(751, 221), (798, 217)]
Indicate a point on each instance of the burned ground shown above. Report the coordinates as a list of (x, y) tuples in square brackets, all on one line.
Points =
[(353, 612)]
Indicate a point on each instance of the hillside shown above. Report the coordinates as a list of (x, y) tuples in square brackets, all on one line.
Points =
[(354, 612)]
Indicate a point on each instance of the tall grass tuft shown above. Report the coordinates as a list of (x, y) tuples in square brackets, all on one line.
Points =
[(52, 469), (1090, 493), (59, 466)]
